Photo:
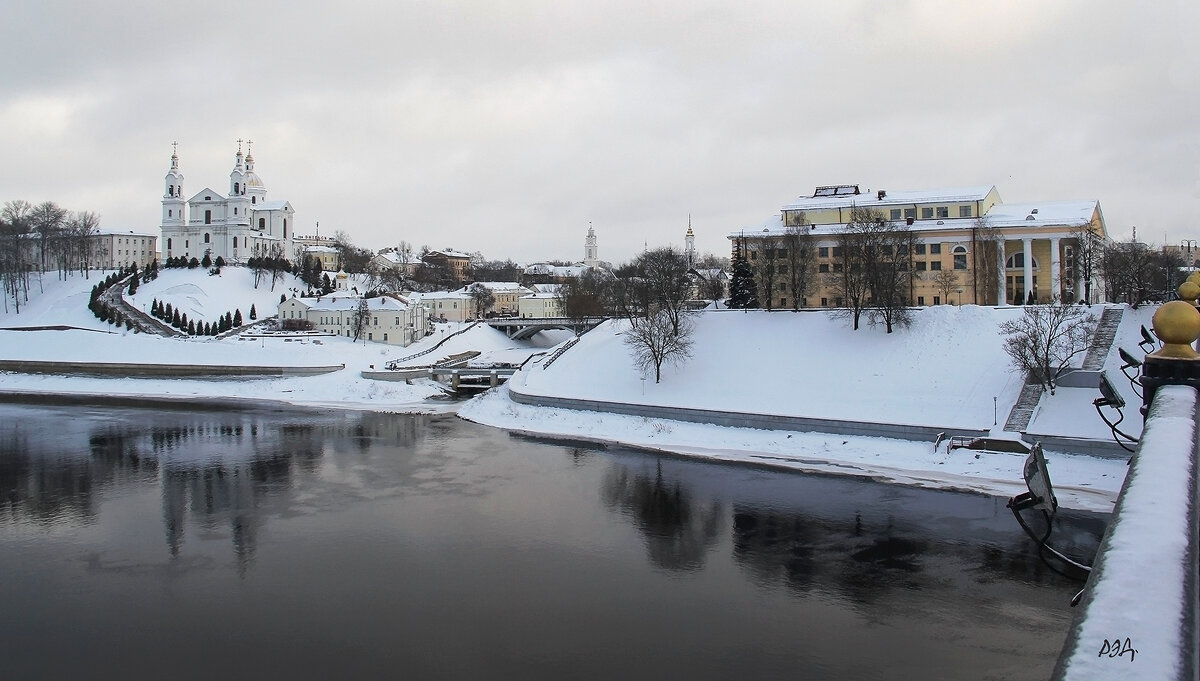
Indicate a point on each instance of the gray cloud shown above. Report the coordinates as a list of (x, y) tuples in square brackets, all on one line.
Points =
[(506, 127)]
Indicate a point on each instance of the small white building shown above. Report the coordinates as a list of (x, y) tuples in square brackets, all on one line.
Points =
[(506, 294), (392, 319), (114, 248), (540, 306), (391, 259), (452, 306)]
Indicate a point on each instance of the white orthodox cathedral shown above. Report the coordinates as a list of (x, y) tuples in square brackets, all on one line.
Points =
[(236, 227)]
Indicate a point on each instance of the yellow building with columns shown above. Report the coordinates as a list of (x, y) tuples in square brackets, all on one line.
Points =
[(968, 245)]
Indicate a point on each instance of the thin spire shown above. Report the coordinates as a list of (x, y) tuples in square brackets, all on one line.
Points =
[(239, 141)]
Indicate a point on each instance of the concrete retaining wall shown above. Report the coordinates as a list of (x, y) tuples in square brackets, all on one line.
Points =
[(158, 370), (743, 420)]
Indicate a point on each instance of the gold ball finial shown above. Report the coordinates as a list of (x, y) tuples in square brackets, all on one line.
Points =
[(1189, 291), (1177, 325)]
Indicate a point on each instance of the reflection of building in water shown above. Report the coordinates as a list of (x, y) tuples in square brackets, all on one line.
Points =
[(222, 469), (678, 531)]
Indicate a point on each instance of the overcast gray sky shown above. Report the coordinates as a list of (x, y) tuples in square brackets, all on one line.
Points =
[(507, 126)]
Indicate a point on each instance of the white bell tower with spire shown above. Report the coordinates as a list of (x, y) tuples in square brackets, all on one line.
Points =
[(689, 244), (172, 202), (591, 254)]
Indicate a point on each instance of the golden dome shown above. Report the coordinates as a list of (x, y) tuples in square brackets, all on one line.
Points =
[(1189, 290), (1177, 325)]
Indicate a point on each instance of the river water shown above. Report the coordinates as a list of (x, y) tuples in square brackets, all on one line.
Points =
[(152, 543)]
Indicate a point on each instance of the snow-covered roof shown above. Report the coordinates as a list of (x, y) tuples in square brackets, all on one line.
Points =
[(540, 296), (273, 205), (439, 295), (341, 303), (1049, 213), (545, 288), (450, 253), (893, 198), (497, 286), (320, 249), (394, 258), (121, 231), (1072, 213), (557, 270)]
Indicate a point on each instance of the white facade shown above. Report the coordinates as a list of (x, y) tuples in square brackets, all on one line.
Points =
[(452, 306), (393, 319), (236, 227), (540, 306)]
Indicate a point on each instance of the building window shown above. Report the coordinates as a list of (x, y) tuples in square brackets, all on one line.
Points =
[(935, 265), (206, 240), (1017, 261), (208, 217), (920, 300), (823, 252), (783, 302), (895, 215), (837, 267), (385, 338), (943, 211), (823, 267), (910, 213), (935, 249), (168, 244), (960, 257), (170, 213), (782, 286), (919, 249), (964, 211), (262, 223), (837, 251), (824, 302), (937, 300), (253, 199), (920, 265), (926, 213)]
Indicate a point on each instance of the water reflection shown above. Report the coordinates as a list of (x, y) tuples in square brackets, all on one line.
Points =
[(678, 529), (220, 469)]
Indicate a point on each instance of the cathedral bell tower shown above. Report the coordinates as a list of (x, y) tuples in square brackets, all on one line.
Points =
[(173, 202), (239, 203)]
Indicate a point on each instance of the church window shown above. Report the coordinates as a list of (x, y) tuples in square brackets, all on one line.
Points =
[(206, 237), (235, 210), (262, 223), (170, 213), (168, 244), (253, 199), (236, 187), (208, 217)]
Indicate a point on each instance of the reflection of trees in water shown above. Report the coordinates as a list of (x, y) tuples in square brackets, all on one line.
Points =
[(805, 552), (219, 468), (678, 532), (865, 558)]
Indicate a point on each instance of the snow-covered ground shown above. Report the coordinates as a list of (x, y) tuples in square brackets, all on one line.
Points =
[(948, 369)]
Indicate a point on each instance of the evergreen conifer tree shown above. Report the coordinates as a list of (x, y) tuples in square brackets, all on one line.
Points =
[(207, 261), (743, 293), (191, 328), (177, 319), (133, 283), (253, 313), (237, 318)]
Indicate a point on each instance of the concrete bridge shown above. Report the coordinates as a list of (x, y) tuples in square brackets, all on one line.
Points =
[(520, 328), (1140, 614)]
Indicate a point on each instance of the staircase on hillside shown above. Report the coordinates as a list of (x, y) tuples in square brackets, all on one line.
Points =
[(1106, 332), (1022, 411)]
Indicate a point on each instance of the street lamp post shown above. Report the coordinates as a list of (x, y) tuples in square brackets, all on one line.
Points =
[(1188, 245)]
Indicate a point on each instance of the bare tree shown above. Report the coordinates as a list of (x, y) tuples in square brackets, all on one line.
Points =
[(985, 256), (657, 340), (482, 299), (766, 268), (47, 220), (945, 282), (278, 264), (584, 296), (361, 318), (799, 260), (665, 271), (1128, 269), (1088, 258), (1046, 338)]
